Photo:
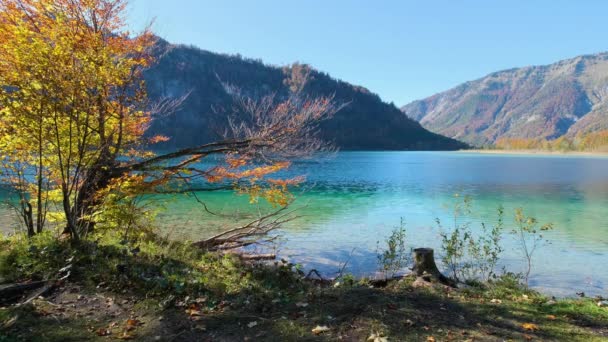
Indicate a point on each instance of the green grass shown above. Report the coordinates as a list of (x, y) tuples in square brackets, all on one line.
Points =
[(161, 282)]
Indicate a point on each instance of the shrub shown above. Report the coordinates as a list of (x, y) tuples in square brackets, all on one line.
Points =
[(470, 256), (529, 235), (394, 257), (36, 258)]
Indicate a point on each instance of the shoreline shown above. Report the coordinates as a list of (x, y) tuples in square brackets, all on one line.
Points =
[(537, 152), (209, 296)]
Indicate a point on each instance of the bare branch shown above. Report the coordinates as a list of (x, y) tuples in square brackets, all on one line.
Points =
[(250, 233)]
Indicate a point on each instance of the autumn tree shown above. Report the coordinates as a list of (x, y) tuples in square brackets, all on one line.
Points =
[(74, 110), (590, 141), (71, 99)]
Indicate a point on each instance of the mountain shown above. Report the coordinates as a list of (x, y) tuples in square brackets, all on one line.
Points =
[(564, 98), (366, 123)]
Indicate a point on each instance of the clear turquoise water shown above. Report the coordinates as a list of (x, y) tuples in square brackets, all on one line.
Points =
[(356, 198)]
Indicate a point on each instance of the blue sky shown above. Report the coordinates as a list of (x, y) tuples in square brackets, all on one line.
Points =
[(401, 50)]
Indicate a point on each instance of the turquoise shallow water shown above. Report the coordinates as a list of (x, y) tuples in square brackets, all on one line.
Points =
[(356, 198)]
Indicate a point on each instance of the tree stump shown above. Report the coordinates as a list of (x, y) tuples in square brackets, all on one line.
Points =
[(426, 269)]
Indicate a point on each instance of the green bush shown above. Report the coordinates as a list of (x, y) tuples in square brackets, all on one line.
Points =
[(470, 256), (35, 258), (394, 256), (529, 235)]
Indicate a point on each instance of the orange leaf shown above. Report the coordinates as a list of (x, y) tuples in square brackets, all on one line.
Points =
[(158, 138), (530, 326), (103, 332), (551, 317), (194, 310), (133, 322)]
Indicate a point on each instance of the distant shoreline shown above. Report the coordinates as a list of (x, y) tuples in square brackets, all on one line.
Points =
[(538, 152)]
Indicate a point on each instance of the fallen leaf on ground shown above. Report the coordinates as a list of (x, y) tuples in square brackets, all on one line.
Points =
[(104, 332), (551, 317), (133, 322), (496, 301), (320, 329), (193, 310), (430, 339), (126, 336), (376, 338), (530, 326)]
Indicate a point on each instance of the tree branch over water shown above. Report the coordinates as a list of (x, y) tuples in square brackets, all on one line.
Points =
[(74, 112)]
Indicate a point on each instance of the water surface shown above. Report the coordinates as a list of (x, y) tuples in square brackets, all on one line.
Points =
[(356, 198)]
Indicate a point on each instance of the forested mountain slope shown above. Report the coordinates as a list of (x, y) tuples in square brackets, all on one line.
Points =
[(366, 123)]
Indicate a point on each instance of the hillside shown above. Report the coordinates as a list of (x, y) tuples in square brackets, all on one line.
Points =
[(366, 123), (564, 98)]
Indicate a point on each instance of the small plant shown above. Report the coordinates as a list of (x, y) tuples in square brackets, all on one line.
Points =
[(469, 256), (529, 235), (347, 279), (395, 256), (454, 242), (486, 250)]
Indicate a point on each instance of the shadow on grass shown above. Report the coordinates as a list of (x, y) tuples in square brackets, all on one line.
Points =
[(402, 315), (26, 323), (198, 296)]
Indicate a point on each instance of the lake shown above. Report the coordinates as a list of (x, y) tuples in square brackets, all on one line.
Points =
[(356, 198)]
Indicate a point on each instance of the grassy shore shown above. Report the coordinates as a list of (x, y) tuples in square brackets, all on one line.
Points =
[(539, 152), (151, 289)]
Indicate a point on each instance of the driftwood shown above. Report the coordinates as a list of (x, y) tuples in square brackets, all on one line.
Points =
[(255, 257), (48, 287), (255, 232), (318, 279), (315, 272), (426, 269), (14, 291), (9, 293)]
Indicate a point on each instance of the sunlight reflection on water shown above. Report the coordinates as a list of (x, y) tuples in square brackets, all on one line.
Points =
[(356, 198)]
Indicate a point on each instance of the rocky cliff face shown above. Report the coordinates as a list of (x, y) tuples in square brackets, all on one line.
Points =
[(564, 98)]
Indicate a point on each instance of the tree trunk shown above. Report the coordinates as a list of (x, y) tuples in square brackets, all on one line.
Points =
[(426, 269), (28, 219), (97, 178), (11, 292)]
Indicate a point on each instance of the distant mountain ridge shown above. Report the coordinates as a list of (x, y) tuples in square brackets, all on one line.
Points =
[(366, 123), (564, 98)]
